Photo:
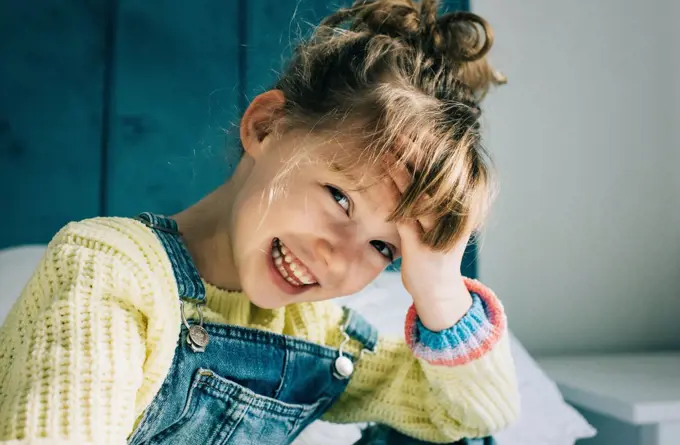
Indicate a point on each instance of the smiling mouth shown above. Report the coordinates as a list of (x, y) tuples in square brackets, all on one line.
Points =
[(290, 267)]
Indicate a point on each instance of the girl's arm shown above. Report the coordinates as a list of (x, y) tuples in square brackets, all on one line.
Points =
[(438, 386), (78, 352)]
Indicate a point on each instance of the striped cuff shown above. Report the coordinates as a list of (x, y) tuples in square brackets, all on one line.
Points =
[(469, 339)]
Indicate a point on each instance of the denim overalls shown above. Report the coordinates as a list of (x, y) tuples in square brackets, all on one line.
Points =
[(236, 385)]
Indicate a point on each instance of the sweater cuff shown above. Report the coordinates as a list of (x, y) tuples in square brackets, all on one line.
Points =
[(473, 336)]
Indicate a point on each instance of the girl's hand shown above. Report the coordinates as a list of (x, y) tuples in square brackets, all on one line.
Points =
[(433, 279)]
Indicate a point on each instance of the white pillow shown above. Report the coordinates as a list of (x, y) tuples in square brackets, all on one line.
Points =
[(545, 418), (17, 264)]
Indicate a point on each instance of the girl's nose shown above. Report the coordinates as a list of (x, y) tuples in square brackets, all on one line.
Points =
[(337, 258)]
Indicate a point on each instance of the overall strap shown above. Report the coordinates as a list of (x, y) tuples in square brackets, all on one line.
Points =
[(359, 329), (189, 284)]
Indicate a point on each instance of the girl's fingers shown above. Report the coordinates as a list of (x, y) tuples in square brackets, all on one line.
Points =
[(410, 233), (402, 178), (427, 222)]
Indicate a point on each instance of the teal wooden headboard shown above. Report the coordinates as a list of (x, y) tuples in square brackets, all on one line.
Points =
[(113, 107)]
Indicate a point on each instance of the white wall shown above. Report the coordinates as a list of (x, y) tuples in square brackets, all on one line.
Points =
[(583, 245), (675, 57)]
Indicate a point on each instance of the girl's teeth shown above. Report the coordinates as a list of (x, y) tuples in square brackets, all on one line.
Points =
[(303, 277), (299, 275)]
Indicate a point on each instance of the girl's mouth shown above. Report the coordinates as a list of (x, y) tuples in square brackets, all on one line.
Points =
[(290, 267)]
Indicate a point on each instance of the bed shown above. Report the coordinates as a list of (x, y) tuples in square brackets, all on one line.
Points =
[(545, 418)]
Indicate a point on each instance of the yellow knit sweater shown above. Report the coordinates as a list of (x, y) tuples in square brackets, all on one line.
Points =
[(92, 338)]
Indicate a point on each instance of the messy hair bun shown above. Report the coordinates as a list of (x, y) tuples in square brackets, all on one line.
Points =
[(459, 38), (412, 81)]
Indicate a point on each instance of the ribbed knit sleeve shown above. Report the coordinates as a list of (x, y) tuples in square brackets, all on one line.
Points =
[(438, 386), (473, 336), (79, 356)]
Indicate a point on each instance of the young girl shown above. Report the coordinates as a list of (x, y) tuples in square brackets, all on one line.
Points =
[(213, 326)]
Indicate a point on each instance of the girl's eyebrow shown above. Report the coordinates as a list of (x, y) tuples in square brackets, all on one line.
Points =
[(350, 175)]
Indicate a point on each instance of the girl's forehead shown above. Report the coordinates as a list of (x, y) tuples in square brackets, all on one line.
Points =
[(382, 197), (359, 167)]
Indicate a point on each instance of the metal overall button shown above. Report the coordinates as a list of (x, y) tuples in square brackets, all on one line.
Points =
[(197, 337), (343, 367)]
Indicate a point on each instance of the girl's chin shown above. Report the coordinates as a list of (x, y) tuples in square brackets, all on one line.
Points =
[(273, 298), (267, 303)]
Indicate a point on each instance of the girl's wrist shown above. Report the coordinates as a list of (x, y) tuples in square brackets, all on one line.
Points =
[(445, 307)]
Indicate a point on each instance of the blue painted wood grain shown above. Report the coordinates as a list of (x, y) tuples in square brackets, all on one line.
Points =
[(51, 71), (174, 103), (273, 28)]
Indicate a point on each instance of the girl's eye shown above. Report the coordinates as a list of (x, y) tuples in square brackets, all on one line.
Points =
[(384, 249), (339, 197)]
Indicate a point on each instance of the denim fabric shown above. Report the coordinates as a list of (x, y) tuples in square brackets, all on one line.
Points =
[(249, 386), (189, 284), (382, 435)]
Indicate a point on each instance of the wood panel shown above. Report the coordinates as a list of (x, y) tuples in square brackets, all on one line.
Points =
[(174, 103), (273, 27), (51, 85)]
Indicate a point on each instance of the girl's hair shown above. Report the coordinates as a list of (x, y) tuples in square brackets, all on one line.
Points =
[(411, 81)]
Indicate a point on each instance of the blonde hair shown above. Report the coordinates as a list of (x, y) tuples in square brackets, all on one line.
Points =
[(413, 81)]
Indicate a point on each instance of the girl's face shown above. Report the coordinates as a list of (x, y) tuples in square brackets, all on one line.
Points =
[(322, 235)]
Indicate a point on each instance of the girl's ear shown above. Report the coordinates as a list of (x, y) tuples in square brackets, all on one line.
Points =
[(259, 120)]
